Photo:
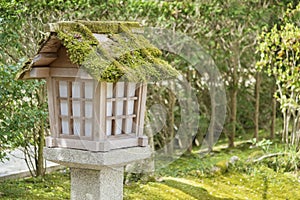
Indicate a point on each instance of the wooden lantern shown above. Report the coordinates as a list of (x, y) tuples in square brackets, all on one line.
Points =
[(96, 98)]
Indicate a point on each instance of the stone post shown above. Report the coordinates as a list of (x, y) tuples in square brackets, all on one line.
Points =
[(96, 175)]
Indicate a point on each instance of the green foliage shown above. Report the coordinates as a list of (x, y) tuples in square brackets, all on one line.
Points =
[(264, 144), (279, 50), (20, 109)]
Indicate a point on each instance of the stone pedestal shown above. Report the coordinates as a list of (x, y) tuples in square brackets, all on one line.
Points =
[(96, 175), (106, 183)]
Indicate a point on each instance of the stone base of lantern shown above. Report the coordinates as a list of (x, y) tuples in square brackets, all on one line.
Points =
[(87, 184), (96, 175)]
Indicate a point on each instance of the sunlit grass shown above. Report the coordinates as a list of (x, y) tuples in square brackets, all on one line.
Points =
[(187, 178)]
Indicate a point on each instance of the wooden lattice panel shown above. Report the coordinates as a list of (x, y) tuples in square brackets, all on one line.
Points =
[(76, 105)]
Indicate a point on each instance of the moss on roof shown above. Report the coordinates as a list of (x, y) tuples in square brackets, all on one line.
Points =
[(112, 51)]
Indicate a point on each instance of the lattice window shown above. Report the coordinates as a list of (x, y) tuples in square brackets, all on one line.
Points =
[(121, 108), (75, 102)]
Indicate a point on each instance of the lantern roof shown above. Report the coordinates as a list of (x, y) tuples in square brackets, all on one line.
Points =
[(108, 51)]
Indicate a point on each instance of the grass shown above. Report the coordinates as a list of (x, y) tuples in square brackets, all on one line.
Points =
[(54, 186), (189, 177)]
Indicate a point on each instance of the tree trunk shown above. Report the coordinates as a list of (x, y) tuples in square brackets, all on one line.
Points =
[(256, 117), (273, 121), (171, 125), (40, 168), (40, 140), (212, 116), (232, 118)]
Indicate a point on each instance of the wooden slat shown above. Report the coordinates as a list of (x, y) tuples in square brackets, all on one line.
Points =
[(96, 107), (52, 45), (51, 108), (121, 99), (39, 72), (76, 99), (43, 59), (135, 123), (70, 110), (121, 117), (142, 110), (70, 72), (114, 111), (36, 73), (82, 110), (73, 117), (63, 59), (82, 144), (102, 111), (57, 106), (63, 72), (123, 143), (125, 108)]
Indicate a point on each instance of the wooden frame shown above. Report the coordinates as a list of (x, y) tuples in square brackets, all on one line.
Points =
[(118, 111)]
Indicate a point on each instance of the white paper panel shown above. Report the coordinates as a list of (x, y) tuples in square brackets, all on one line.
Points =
[(109, 108), (108, 127), (118, 126), (120, 89), (129, 125), (88, 127), (88, 90), (119, 108), (131, 89), (76, 127), (88, 109), (64, 108), (109, 91), (130, 107), (76, 89), (76, 108), (63, 88), (65, 126)]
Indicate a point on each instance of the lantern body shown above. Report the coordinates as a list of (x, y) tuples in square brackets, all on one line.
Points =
[(92, 115), (96, 74)]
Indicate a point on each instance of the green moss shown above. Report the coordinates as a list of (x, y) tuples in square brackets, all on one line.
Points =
[(78, 40), (108, 26), (125, 56), (222, 165), (55, 186)]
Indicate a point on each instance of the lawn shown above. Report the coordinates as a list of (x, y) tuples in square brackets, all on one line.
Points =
[(190, 177)]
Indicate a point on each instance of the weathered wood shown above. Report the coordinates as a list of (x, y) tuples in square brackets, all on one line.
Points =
[(143, 141), (51, 108), (116, 143), (82, 144), (102, 111), (121, 117), (36, 73), (142, 110), (52, 45), (44, 59), (70, 110), (96, 114), (63, 60), (82, 109), (57, 110), (137, 105), (121, 99)]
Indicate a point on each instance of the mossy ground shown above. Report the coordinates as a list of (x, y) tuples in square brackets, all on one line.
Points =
[(189, 177), (54, 186)]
